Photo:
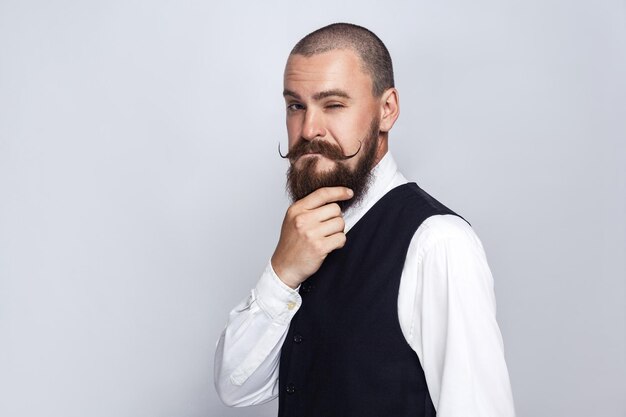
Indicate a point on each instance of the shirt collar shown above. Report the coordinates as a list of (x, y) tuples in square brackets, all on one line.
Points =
[(385, 176)]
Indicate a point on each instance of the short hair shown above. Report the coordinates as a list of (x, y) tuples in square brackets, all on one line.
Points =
[(375, 58)]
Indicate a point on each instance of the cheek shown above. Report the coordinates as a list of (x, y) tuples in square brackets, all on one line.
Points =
[(293, 132), (348, 129)]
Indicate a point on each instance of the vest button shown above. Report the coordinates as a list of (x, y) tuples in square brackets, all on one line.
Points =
[(297, 338), (291, 388)]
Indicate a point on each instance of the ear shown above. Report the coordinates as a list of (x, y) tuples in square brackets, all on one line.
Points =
[(389, 109)]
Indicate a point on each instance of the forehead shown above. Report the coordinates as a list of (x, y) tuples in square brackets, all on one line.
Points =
[(335, 69)]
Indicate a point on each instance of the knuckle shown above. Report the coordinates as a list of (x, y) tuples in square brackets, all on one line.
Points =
[(308, 234), (299, 222)]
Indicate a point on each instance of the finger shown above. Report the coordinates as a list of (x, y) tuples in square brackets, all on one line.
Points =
[(330, 227), (326, 212), (335, 241), (326, 195)]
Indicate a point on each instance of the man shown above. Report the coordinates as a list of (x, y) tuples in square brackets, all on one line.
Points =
[(378, 300)]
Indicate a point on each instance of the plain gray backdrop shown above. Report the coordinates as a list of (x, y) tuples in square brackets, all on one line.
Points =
[(141, 193)]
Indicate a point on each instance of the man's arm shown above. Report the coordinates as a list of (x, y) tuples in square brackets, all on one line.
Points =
[(451, 321), (248, 351)]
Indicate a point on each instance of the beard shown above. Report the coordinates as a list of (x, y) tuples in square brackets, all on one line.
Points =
[(304, 180)]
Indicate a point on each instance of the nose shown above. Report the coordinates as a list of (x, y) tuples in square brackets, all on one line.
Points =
[(313, 125)]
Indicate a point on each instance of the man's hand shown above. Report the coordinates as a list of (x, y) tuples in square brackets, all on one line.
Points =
[(312, 228)]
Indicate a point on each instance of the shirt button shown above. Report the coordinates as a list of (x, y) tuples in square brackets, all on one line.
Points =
[(291, 305), (297, 338), (290, 388)]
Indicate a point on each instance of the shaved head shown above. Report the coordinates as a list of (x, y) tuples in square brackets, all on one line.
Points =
[(375, 58)]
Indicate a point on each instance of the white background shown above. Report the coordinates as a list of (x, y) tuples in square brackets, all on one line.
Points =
[(141, 193)]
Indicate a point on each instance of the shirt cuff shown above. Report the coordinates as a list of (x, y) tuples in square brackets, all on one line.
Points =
[(275, 298)]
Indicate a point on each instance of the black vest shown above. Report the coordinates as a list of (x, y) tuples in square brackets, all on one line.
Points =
[(345, 354)]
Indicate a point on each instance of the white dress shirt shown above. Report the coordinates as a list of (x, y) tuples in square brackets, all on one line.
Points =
[(446, 309)]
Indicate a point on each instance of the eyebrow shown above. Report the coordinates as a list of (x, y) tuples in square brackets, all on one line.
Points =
[(319, 96)]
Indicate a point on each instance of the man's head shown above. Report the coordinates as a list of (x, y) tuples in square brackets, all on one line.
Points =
[(341, 101), (374, 56)]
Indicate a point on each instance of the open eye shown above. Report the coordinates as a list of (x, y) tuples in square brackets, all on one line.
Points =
[(295, 107)]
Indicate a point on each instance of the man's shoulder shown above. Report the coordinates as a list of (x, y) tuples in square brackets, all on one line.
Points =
[(423, 201), (445, 227), (436, 221)]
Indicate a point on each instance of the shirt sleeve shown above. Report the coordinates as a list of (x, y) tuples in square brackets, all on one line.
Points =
[(248, 351), (450, 321)]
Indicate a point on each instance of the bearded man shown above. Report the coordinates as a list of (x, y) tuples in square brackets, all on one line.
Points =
[(378, 300)]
